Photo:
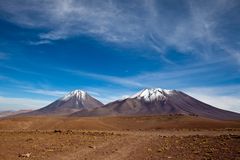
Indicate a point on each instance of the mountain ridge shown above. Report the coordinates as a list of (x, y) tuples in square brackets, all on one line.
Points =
[(157, 101), (149, 101)]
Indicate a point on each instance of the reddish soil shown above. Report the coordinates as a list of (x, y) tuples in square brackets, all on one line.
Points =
[(118, 138)]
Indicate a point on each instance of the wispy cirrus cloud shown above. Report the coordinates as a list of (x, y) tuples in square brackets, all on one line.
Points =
[(199, 27), (11, 80), (15, 103), (55, 93), (108, 94), (113, 79), (21, 70), (3, 56), (175, 76), (40, 42), (226, 97)]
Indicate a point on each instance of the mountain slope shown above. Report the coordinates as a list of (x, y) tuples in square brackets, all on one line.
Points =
[(74, 101), (160, 102)]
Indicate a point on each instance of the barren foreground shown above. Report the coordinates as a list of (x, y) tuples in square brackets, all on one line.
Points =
[(130, 142)]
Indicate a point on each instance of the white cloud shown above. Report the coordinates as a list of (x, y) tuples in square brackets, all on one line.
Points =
[(55, 93), (13, 103), (40, 42), (67, 18), (226, 97), (188, 26)]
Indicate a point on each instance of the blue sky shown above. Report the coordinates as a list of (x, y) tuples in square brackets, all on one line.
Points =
[(114, 48)]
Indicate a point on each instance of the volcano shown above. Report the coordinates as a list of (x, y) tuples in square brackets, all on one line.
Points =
[(157, 101), (74, 101)]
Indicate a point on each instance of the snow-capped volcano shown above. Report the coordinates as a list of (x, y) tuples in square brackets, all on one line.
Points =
[(151, 101), (72, 102), (152, 94), (157, 101)]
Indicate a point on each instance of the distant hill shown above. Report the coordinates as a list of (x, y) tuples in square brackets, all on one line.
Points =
[(12, 113)]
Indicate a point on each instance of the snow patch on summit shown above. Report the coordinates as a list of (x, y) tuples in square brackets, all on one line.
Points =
[(79, 94), (152, 94)]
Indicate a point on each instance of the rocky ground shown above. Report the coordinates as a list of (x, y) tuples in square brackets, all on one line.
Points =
[(116, 145)]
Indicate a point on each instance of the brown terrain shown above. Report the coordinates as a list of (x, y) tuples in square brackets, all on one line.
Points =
[(115, 138)]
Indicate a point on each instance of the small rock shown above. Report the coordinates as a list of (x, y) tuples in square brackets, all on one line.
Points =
[(93, 147), (235, 136), (209, 151), (57, 131), (25, 155), (50, 150), (149, 150), (69, 132), (196, 152), (159, 150), (29, 139)]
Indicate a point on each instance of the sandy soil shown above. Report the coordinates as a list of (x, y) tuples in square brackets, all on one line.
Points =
[(114, 123), (102, 141), (73, 145)]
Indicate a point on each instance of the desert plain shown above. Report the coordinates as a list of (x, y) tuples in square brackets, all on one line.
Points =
[(118, 138)]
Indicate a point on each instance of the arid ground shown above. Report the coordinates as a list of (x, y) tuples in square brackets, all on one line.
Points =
[(113, 138)]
